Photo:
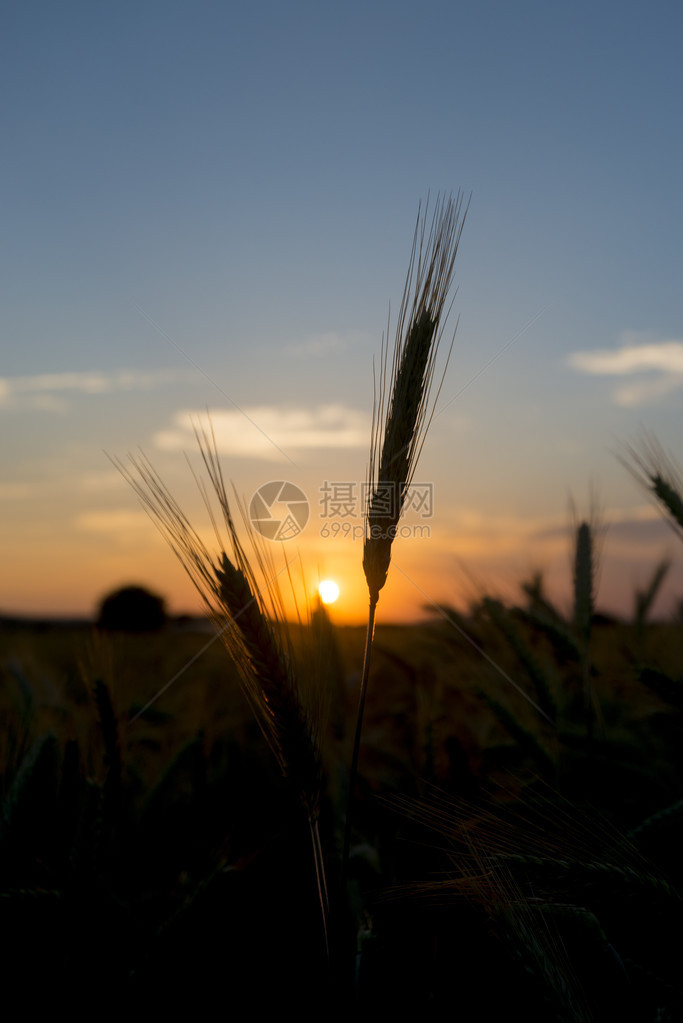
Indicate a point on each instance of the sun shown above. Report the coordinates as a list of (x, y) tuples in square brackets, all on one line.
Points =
[(328, 590)]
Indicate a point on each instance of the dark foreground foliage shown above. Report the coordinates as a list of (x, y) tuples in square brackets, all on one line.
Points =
[(516, 848)]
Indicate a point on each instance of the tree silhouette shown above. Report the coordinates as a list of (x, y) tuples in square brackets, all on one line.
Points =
[(132, 609)]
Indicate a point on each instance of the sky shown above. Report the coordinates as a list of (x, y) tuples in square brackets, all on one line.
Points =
[(209, 208)]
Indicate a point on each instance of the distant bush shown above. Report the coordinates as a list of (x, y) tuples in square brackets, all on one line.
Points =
[(132, 609)]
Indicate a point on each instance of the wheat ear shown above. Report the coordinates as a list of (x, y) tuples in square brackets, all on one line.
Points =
[(402, 412), (657, 473), (402, 409), (585, 562), (250, 627)]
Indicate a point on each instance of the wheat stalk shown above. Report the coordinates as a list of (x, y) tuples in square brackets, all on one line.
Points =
[(252, 626), (402, 412)]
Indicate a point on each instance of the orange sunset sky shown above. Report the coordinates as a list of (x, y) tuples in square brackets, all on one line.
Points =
[(211, 207)]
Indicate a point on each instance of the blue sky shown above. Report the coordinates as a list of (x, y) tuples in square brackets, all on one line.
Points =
[(212, 205)]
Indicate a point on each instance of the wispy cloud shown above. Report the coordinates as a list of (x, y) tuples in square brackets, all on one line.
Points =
[(48, 391), (328, 343), (104, 481), (639, 354), (641, 521), (115, 520), (266, 431), (15, 491), (317, 347)]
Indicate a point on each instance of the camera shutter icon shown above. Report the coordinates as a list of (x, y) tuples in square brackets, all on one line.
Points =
[(279, 510)]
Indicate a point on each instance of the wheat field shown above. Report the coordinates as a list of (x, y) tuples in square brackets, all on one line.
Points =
[(477, 814)]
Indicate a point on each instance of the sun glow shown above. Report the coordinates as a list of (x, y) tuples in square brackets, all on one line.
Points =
[(328, 590)]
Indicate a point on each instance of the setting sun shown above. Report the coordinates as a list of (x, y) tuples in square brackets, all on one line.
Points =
[(328, 590)]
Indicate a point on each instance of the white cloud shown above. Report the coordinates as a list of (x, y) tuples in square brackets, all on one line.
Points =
[(664, 355), (46, 391), (646, 391), (271, 432), (639, 354)]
